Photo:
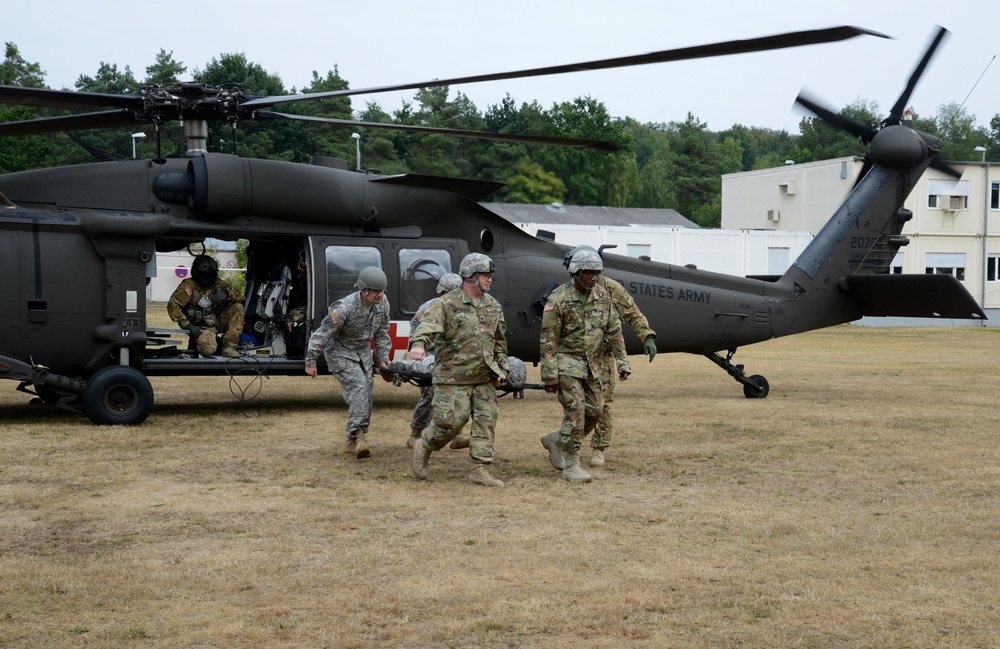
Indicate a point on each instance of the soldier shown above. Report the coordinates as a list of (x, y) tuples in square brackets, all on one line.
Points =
[(422, 411), (630, 313), (578, 320), (207, 306), (345, 338), (471, 364)]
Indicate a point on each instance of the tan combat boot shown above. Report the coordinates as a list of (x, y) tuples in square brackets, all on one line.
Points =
[(229, 352), (414, 436), (481, 475), (460, 442), (573, 472), (597, 459), (421, 455), (350, 445), (551, 443), (361, 448)]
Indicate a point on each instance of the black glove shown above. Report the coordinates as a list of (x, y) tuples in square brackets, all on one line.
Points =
[(220, 296), (193, 329)]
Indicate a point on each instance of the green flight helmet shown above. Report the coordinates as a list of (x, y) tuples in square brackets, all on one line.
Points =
[(371, 277)]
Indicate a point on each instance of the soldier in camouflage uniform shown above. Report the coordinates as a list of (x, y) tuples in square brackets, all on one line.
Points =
[(207, 306), (471, 364), (345, 338), (630, 313), (422, 411), (578, 320)]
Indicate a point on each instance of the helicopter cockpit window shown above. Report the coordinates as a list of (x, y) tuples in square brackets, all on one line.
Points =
[(420, 270), (343, 263)]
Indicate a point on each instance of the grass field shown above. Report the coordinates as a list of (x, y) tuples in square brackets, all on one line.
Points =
[(856, 506)]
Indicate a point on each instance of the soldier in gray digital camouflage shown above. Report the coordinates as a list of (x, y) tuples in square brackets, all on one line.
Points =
[(471, 363), (578, 321), (630, 313), (208, 306), (345, 339), (422, 411)]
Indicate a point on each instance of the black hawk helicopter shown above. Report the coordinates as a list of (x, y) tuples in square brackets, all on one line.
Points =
[(79, 243)]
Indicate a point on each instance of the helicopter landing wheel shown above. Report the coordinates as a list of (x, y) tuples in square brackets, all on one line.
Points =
[(756, 387), (118, 394)]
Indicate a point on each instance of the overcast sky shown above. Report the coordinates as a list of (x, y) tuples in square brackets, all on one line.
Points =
[(395, 41)]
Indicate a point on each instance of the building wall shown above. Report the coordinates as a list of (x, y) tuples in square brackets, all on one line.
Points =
[(819, 187), (722, 251)]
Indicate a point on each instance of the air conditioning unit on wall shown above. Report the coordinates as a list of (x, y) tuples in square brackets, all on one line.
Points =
[(773, 215)]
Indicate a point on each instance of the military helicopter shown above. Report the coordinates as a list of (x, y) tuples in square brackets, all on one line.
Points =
[(79, 244)]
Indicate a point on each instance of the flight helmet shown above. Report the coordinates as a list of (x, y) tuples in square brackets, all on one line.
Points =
[(371, 277), (204, 270), (449, 282), (585, 260), (475, 262)]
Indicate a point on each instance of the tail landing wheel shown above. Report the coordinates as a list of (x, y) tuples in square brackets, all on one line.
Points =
[(754, 387)]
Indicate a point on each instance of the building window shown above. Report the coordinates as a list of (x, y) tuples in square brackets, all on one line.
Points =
[(777, 260), (896, 267), (993, 268), (995, 196), (638, 250), (938, 263), (951, 195)]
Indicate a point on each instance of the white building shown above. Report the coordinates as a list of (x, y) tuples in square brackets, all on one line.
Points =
[(662, 235), (955, 227)]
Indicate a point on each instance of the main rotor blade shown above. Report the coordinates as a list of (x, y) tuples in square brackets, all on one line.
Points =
[(764, 43), (897, 109), (104, 119), (46, 98), (596, 145)]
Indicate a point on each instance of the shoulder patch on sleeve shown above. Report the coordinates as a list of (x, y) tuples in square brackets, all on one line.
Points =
[(549, 306), (334, 318), (187, 289)]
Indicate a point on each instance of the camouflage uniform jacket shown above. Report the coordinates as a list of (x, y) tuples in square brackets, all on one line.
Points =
[(183, 307), (415, 321), (575, 329), (473, 338), (626, 308), (347, 332)]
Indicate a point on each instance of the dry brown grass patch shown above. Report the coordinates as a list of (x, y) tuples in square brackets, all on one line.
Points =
[(855, 506)]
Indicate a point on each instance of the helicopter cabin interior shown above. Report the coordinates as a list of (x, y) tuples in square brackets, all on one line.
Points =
[(289, 284)]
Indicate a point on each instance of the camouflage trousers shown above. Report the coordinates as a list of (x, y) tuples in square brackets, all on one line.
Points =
[(229, 324), (356, 384), (454, 405), (582, 404), (605, 425), (424, 409)]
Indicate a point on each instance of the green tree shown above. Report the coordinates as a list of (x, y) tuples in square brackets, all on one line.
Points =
[(271, 139), (530, 183), (327, 139), (589, 175), (165, 71), (695, 156), (20, 153)]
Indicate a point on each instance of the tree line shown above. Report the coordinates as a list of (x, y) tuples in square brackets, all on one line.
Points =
[(674, 165)]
